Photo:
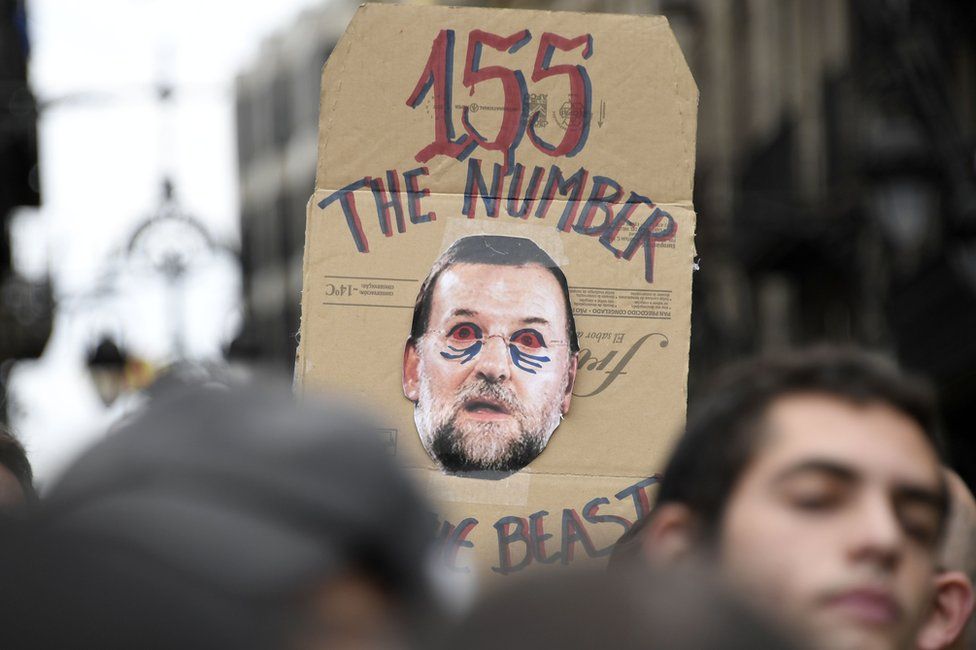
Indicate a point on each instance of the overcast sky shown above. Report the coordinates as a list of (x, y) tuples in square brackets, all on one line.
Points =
[(105, 144)]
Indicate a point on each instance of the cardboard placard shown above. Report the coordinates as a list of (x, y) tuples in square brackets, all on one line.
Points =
[(530, 145)]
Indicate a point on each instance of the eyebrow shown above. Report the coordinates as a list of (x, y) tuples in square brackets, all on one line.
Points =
[(816, 466), (531, 320), (903, 492)]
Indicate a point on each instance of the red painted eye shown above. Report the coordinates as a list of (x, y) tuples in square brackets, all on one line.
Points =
[(528, 339), (465, 333)]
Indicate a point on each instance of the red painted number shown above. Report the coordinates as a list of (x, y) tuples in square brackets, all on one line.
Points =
[(438, 74)]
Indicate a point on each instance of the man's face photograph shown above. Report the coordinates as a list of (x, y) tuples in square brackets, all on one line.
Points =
[(492, 375), (835, 522)]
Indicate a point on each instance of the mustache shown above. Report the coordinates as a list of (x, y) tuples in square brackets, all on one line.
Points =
[(486, 390)]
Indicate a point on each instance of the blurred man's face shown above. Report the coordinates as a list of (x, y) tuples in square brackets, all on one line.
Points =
[(493, 375), (835, 522)]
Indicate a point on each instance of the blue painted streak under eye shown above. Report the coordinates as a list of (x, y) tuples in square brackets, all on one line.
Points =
[(467, 354), (526, 361)]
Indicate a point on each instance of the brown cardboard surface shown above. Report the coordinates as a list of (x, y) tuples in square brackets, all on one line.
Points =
[(361, 279)]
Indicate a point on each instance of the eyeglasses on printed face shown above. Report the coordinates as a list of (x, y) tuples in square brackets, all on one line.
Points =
[(527, 346)]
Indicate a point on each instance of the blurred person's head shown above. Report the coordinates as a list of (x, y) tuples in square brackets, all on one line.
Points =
[(491, 358), (951, 621), (64, 591), (647, 610), (16, 476), (813, 480), (295, 514)]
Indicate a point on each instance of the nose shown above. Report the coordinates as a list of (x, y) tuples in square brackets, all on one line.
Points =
[(878, 536), (494, 364)]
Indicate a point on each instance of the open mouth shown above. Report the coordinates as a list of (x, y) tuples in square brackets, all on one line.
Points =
[(484, 407)]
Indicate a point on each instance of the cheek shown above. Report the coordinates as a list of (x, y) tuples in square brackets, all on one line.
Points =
[(442, 375), (916, 587), (764, 547), (547, 383)]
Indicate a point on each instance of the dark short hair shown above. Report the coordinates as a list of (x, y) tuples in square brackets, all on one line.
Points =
[(497, 250), (723, 434), (14, 458)]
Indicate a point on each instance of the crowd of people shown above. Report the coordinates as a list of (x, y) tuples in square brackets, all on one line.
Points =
[(807, 504)]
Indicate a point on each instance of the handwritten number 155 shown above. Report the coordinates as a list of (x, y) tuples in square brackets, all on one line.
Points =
[(438, 74)]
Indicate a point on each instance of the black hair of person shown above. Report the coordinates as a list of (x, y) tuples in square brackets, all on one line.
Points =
[(726, 429)]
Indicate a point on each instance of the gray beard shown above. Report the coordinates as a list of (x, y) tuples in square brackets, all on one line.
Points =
[(486, 446), (446, 448)]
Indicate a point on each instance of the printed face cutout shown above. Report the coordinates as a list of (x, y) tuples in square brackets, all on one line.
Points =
[(492, 376)]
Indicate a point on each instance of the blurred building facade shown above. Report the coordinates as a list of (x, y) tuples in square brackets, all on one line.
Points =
[(277, 102), (835, 183), (26, 306)]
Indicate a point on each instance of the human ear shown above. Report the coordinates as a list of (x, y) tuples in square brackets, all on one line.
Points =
[(570, 382), (411, 371), (670, 535), (952, 605)]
